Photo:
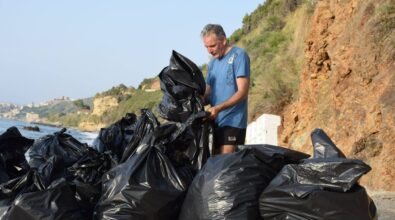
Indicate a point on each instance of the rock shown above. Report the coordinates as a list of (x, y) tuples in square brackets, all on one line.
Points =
[(32, 128)]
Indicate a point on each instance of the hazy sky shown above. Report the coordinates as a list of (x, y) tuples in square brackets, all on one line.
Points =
[(77, 48)]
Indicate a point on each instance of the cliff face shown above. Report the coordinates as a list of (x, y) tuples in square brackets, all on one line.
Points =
[(347, 86), (152, 84), (104, 104), (101, 106)]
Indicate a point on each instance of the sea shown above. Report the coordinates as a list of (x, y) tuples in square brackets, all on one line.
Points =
[(83, 137)]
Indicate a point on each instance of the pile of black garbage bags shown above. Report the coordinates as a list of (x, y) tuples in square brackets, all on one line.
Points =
[(139, 168)]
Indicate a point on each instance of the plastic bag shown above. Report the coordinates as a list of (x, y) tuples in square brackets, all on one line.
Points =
[(51, 155), (12, 154), (85, 179), (196, 140), (55, 202), (29, 182), (201, 147), (323, 145), (115, 137), (145, 124), (182, 83), (147, 185), (319, 188), (229, 185)]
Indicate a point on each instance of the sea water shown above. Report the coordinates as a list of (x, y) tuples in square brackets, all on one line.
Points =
[(83, 137)]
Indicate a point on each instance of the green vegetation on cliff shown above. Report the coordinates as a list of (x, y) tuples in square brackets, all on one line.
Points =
[(120, 92), (81, 105), (274, 35), (139, 100)]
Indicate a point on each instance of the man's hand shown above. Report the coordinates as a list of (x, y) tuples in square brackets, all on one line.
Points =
[(241, 94), (213, 112)]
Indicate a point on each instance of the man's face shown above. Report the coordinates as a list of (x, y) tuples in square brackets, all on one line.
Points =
[(216, 47)]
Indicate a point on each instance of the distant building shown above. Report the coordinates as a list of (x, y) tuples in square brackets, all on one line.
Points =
[(10, 105), (8, 110), (50, 102), (10, 114)]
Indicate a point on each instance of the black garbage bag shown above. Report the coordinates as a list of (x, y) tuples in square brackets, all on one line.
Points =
[(12, 154), (229, 185), (115, 137), (32, 181), (323, 145), (55, 202), (205, 145), (319, 188), (183, 84), (146, 123), (148, 185), (86, 179), (3, 175), (196, 140), (201, 146), (52, 154)]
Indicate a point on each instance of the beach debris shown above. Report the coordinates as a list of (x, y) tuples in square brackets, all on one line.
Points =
[(229, 185), (52, 154), (183, 85), (12, 154), (148, 185), (323, 187), (116, 137)]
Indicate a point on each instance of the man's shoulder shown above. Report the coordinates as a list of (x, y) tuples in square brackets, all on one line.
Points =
[(211, 63), (239, 51)]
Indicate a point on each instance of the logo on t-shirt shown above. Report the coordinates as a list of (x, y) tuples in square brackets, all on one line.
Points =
[(232, 58)]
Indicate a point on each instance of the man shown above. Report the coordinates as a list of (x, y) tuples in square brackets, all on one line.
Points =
[(227, 88)]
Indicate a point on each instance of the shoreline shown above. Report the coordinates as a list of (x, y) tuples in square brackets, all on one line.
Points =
[(34, 122), (45, 124)]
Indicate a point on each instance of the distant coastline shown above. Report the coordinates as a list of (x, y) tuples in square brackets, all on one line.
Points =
[(34, 122), (45, 129)]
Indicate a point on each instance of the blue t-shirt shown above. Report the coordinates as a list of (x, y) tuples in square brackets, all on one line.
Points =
[(222, 74)]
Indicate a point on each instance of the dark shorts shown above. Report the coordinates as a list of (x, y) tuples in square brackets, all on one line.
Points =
[(229, 136)]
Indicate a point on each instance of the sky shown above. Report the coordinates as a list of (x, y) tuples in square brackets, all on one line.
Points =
[(77, 48)]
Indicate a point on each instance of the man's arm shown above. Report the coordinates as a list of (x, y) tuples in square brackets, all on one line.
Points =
[(206, 96), (241, 94)]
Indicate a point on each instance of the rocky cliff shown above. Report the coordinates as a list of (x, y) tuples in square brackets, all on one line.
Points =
[(347, 86), (103, 104), (152, 84)]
